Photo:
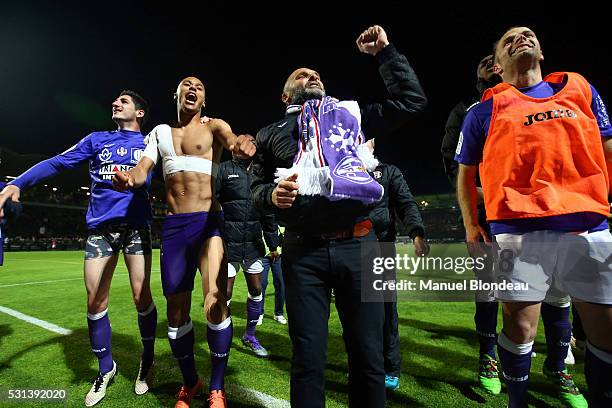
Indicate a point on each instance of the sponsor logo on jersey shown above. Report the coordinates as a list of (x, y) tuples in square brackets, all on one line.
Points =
[(351, 169), (548, 115), (106, 155), (231, 176), (108, 171), (135, 155), (122, 151)]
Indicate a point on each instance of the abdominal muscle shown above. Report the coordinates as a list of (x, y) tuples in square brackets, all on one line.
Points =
[(188, 192)]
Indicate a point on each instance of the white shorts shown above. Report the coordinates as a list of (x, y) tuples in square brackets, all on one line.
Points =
[(549, 265), (253, 266), (231, 270)]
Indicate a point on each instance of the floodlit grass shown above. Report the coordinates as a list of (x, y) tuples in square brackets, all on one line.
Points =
[(439, 345)]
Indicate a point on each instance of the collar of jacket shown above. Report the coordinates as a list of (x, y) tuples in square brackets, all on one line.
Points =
[(291, 109)]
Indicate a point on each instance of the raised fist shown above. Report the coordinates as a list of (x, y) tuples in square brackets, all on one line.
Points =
[(372, 40), (244, 147)]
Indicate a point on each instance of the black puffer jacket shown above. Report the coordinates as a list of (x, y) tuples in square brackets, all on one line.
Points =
[(398, 201), (278, 143), (243, 222), (451, 136), (453, 126)]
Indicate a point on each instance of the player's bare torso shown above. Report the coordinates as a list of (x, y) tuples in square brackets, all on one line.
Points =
[(190, 191)]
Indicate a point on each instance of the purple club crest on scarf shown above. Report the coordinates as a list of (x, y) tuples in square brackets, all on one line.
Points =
[(331, 155)]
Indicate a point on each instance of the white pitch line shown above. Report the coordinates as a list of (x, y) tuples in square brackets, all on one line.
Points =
[(236, 391), (37, 322), (57, 280), (47, 261), (49, 281), (38, 283), (251, 395)]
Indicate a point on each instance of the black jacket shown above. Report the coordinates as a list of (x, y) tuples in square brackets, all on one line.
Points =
[(243, 222), (451, 136), (453, 128), (277, 145), (397, 201)]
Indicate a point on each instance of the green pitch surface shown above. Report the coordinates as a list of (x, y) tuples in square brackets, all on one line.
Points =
[(439, 346)]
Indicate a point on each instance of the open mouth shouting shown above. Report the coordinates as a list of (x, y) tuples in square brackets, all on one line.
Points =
[(191, 98)]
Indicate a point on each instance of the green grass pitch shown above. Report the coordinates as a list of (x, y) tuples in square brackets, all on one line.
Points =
[(439, 345)]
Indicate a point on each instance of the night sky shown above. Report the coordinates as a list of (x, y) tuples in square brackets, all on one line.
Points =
[(62, 64)]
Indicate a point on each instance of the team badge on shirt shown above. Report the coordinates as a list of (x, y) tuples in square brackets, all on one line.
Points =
[(105, 155), (135, 155)]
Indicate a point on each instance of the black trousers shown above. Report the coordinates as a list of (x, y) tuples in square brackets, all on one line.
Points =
[(311, 268), (391, 341), (391, 338)]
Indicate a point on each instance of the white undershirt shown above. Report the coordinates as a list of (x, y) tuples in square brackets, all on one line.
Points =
[(159, 143)]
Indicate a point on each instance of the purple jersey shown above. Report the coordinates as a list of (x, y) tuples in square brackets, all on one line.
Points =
[(107, 153), (471, 145)]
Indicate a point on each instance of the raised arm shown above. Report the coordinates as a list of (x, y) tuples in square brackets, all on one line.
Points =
[(242, 146), (405, 96), (69, 159)]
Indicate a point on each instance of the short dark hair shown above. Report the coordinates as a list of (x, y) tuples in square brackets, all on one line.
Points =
[(139, 102)]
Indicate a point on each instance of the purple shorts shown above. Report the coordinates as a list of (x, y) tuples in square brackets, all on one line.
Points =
[(182, 239)]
